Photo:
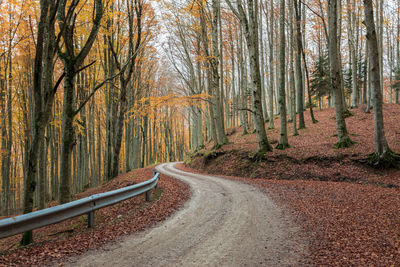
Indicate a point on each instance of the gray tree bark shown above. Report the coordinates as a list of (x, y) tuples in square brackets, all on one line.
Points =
[(251, 33), (383, 156), (299, 73), (292, 79), (43, 99), (283, 140), (72, 62), (336, 81)]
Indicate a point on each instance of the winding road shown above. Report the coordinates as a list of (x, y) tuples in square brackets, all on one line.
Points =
[(225, 223)]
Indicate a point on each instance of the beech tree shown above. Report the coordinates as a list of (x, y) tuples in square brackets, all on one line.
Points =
[(72, 61), (44, 92), (283, 140), (250, 26), (299, 73), (383, 156), (336, 80)]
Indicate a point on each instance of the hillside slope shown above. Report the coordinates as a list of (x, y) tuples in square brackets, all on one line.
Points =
[(350, 210), (55, 244)]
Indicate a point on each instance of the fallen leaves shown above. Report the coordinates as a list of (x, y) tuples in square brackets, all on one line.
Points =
[(56, 243), (350, 212)]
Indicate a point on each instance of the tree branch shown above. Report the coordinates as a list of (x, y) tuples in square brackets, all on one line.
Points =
[(246, 109), (63, 75), (99, 86)]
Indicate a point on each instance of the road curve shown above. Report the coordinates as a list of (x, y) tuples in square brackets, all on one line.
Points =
[(225, 223)]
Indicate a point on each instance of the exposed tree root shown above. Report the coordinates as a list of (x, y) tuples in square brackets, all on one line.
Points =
[(282, 146), (345, 142), (387, 160), (258, 156)]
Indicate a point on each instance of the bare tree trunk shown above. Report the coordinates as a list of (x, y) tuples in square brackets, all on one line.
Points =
[(43, 100), (336, 81), (263, 96), (217, 89), (243, 85), (299, 74), (72, 63), (283, 140), (251, 33), (271, 67), (383, 156), (353, 52), (292, 79)]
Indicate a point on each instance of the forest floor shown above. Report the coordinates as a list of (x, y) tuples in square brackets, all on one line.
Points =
[(350, 211), (55, 244)]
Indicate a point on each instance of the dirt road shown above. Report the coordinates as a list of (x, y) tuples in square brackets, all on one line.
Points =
[(225, 223)]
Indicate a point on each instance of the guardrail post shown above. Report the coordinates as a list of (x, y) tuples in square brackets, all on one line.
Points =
[(148, 195), (90, 219)]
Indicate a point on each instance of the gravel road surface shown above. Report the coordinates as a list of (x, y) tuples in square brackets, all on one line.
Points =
[(225, 223)]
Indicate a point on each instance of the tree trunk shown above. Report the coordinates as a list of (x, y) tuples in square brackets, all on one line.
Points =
[(336, 81), (292, 79), (67, 134), (271, 67), (251, 34), (283, 140), (43, 102), (299, 74), (383, 157)]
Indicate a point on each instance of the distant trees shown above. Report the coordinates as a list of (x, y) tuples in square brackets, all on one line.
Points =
[(396, 84), (320, 78)]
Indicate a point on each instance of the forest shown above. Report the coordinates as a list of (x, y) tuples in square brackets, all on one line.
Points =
[(92, 89)]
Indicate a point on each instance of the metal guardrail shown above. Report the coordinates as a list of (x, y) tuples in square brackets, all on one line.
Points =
[(22, 223)]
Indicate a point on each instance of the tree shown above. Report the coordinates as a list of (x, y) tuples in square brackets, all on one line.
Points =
[(320, 78), (299, 73), (336, 78), (134, 46), (383, 156), (283, 140), (250, 27), (396, 83), (215, 76), (72, 60), (44, 93), (270, 17), (292, 78)]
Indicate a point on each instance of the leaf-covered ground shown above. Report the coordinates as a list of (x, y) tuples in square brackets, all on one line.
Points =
[(55, 243), (350, 211)]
